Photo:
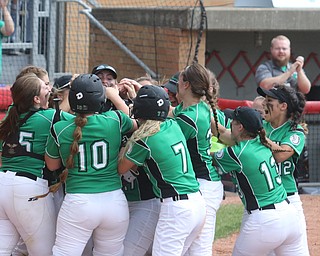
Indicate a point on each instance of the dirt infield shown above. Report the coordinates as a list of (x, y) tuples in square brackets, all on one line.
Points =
[(311, 206)]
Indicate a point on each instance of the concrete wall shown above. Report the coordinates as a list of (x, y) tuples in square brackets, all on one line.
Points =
[(145, 3)]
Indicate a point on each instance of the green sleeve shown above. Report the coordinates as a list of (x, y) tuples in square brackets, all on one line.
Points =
[(137, 153), (126, 122), (227, 160), (52, 149)]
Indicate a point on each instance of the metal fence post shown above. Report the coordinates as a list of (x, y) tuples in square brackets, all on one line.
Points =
[(51, 51)]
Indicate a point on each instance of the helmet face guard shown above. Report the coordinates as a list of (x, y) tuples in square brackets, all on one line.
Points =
[(87, 94), (152, 103)]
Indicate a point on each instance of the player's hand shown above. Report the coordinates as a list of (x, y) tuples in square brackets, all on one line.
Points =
[(134, 83), (129, 87), (300, 63), (111, 92), (294, 67)]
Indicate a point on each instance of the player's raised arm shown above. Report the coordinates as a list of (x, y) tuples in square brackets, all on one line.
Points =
[(113, 95), (223, 134)]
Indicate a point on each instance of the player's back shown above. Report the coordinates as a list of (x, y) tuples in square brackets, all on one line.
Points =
[(32, 136), (95, 166), (169, 160)]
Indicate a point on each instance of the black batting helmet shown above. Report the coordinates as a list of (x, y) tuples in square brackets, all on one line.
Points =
[(87, 94), (152, 102)]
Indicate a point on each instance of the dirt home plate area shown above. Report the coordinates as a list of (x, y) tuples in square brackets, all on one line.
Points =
[(311, 206)]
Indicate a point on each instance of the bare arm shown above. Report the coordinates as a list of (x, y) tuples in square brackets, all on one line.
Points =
[(136, 125), (113, 95), (170, 113), (269, 82), (8, 27), (224, 133), (304, 84), (52, 163), (280, 152), (124, 165)]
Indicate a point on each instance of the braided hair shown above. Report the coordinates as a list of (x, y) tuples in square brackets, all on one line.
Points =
[(199, 80), (80, 121), (263, 139), (146, 129)]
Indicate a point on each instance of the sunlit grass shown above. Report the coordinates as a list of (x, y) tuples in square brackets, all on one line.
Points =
[(228, 221)]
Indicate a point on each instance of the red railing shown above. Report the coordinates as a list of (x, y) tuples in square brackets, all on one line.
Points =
[(312, 107)]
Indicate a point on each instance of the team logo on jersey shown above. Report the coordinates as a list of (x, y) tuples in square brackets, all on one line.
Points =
[(11, 149), (295, 139), (220, 154)]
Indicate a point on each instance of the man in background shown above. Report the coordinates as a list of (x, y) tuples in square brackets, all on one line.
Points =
[(279, 70)]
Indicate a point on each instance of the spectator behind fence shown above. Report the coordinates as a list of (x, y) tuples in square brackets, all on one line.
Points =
[(279, 70), (6, 26)]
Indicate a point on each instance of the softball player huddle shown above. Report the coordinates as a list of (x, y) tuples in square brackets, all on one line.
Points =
[(159, 193)]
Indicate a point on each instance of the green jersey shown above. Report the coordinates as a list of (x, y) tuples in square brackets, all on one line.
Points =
[(33, 135), (285, 135), (224, 121), (195, 123), (139, 188), (255, 171), (166, 160), (95, 165)]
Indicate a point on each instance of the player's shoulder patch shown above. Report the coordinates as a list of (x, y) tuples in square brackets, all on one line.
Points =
[(295, 139), (220, 154)]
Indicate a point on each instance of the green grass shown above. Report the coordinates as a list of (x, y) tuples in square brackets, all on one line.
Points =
[(228, 221)]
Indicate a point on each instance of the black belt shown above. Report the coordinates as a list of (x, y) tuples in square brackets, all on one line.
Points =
[(176, 198), (290, 194), (267, 207), (25, 174)]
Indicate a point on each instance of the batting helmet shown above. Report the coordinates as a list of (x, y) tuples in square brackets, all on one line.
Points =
[(87, 94), (152, 102)]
